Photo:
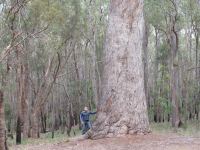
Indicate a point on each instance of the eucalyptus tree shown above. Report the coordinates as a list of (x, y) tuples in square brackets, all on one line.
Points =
[(122, 108)]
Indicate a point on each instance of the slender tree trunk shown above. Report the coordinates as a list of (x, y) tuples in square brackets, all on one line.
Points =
[(95, 68), (197, 72), (173, 41), (155, 86), (19, 95), (79, 83), (196, 54), (25, 92), (22, 79), (122, 108), (18, 131), (3, 143), (189, 75), (35, 125), (43, 121), (53, 118)]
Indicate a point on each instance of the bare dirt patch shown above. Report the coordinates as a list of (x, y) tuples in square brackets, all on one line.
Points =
[(137, 142)]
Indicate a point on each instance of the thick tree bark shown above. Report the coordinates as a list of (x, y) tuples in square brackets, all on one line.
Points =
[(145, 57), (122, 108)]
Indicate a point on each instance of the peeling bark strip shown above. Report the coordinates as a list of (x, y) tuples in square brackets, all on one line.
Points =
[(122, 108)]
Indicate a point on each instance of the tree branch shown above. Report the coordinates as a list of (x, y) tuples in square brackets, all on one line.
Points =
[(9, 48)]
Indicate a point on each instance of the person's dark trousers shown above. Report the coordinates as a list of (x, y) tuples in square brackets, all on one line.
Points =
[(85, 127)]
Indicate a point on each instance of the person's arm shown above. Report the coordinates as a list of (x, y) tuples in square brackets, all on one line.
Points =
[(93, 113)]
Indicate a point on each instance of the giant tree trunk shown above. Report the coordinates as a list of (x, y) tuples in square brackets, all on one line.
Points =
[(122, 108)]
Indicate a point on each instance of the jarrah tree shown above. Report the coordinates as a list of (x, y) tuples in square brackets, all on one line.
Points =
[(122, 108)]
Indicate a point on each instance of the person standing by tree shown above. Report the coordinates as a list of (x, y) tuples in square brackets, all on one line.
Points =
[(85, 119)]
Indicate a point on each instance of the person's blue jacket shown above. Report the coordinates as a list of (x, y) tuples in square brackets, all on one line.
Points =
[(85, 116)]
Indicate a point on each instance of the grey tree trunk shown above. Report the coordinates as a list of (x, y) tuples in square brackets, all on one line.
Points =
[(3, 145), (122, 108), (173, 40), (174, 79)]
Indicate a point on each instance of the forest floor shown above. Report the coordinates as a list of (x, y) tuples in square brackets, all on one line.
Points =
[(158, 140), (138, 142)]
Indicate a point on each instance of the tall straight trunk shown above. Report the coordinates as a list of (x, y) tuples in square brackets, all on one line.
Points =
[(79, 82), (174, 92), (156, 73), (25, 92), (18, 131), (18, 95), (196, 55), (3, 145), (185, 91), (23, 88), (22, 80), (43, 122), (93, 37), (22, 95), (188, 37), (53, 117), (122, 108), (173, 41), (197, 72), (198, 80)]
